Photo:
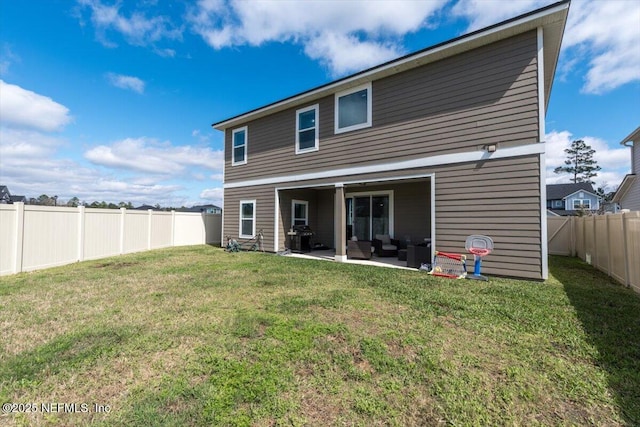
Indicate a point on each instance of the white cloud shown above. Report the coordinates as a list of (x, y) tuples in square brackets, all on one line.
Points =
[(24, 108), (7, 58), (150, 156), (482, 13), (342, 53), (213, 195), (327, 30), (603, 35), (137, 28), (615, 162), (607, 35), (126, 82)]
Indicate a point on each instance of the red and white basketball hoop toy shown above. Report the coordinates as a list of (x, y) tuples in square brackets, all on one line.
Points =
[(479, 246)]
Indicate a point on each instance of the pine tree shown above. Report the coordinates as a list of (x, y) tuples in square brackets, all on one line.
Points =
[(580, 162)]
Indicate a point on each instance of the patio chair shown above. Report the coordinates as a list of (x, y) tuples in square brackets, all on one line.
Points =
[(385, 245), (360, 249)]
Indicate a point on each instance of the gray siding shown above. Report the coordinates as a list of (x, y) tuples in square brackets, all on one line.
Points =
[(631, 200), (498, 198), (484, 96)]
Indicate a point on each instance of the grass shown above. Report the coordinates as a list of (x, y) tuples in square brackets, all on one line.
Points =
[(195, 336)]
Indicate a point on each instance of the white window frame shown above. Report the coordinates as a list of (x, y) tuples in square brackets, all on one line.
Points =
[(293, 211), (339, 95), (582, 204), (316, 145), (253, 218), (388, 193), (246, 146)]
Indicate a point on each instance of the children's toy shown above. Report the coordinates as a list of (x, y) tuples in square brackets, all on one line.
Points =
[(254, 243), (479, 246), (449, 265)]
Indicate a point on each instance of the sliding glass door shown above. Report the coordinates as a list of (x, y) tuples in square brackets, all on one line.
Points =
[(369, 214)]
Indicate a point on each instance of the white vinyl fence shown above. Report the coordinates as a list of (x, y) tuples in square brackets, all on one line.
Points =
[(36, 237), (611, 243)]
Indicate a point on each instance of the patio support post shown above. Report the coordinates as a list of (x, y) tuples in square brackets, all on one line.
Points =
[(340, 224)]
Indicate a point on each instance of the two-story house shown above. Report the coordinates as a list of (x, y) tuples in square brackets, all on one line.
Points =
[(572, 199), (628, 193), (442, 143), (6, 197)]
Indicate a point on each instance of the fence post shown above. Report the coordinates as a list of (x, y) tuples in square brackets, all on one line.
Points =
[(173, 228), (150, 220), (123, 214), (17, 267), (627, 254), (594, 257), (81, 213), (606, 220)]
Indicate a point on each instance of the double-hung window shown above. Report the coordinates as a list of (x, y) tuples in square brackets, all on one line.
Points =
[(239, 141), (353, 109), (307, 129), (581, 204), (247, 219), (299, 212)]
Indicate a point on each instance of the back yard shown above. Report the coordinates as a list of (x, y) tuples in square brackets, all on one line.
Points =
[(196, 336)]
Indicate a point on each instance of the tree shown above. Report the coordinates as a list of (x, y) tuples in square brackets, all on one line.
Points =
[(580, 162), (73, 202)]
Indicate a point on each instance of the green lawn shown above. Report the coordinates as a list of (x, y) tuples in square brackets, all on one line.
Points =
[(196, 336)]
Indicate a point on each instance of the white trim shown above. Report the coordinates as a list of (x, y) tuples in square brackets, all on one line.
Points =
[(246, 146), (418, 59), (433, 215), (316, 147), (336, 118), (581, 205), (578, 191), (295, 202), (444, 159), (276, 232), (224, 163), (541, 100), (253, 225), (544, 249), (370, 194)]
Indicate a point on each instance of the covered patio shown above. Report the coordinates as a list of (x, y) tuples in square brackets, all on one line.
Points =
[(401, 208), (330, 255)]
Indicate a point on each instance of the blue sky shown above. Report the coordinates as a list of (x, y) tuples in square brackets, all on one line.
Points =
[(114, 100)]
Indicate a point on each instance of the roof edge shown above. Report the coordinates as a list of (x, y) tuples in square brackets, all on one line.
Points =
[(344, 81), (632, 137)]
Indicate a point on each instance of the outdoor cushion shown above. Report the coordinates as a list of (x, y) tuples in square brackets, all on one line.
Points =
[(384, 238), (389, 247)]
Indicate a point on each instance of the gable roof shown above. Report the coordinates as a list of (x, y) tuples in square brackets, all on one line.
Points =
[(551, 18), (560, 191), (632, 137)]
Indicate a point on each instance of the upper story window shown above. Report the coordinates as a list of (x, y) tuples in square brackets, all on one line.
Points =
[(581, 204), (239, 141), (353, 109), (307, 129)]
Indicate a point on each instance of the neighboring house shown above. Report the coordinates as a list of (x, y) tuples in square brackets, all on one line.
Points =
[(6, 197), (441, 144), (572, 199), (16, 199), (628, 193), (209, 209), (146, 208)]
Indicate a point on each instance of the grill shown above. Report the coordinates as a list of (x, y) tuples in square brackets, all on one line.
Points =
[(300, 238)]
